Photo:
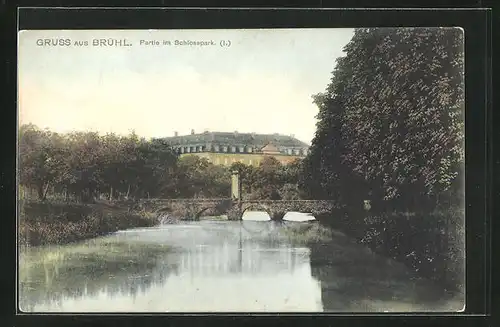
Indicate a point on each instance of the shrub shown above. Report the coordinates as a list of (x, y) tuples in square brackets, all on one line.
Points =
[(51, 225)]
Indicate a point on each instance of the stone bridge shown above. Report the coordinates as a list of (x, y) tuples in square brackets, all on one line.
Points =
[(193, 209)]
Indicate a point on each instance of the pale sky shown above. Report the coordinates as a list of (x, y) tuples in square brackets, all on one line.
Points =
[(261, 83)]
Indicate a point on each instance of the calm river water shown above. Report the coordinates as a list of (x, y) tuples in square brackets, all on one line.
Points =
[(221, 266)]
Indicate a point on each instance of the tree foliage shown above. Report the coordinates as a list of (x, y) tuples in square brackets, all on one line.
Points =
[(197, 177), (85, 166), (390, 123), (271, 180)]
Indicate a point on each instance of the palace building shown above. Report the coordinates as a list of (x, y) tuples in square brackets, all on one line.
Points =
[(222, 148)]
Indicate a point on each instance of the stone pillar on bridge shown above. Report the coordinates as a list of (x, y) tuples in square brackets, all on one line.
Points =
[(235, 196), (236, 186)]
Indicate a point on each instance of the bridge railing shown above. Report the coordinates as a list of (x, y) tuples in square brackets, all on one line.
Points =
[(304, 201), (225, 199), (186, 200)]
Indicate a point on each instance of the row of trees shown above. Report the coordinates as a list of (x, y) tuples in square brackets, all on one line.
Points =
[(391, 122), (84, 166), (391, 130)]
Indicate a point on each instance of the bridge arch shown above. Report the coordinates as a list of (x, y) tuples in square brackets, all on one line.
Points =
[(257, 207), (205, 209), (218, 207)]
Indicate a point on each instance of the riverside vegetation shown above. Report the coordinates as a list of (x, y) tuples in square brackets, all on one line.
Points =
[(58, 223), (390, 132)]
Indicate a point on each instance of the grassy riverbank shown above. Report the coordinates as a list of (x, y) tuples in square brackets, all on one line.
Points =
[(43, 223), (50, 273)]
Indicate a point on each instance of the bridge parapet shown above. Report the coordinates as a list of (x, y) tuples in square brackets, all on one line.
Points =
[(192, 209), (277, 209)]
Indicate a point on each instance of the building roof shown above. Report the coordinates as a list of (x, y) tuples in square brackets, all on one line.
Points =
[(270, 148), (248, 139)]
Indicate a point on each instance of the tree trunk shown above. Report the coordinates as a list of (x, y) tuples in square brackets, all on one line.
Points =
[(111, 193), (42, 191), (128, 191), (86, 195), (46, 191)]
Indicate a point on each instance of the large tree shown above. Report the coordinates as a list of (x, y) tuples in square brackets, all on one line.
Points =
[(268, 179), (42, 156), (197, 177), (392, 117)]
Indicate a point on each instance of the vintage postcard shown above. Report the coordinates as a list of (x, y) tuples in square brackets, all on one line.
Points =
[(251, 170)]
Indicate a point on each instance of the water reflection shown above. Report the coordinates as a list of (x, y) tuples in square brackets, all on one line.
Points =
[(51, 276), (353, 279), (210, 266), (216, 266)]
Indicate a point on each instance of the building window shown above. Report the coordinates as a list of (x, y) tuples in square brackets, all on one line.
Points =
[(289, 151), (188, 149), (216, 148), (296, 152), (224, 149), (250, 149), (182, 150), (242, 149), (233, 149), (305, 152)]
